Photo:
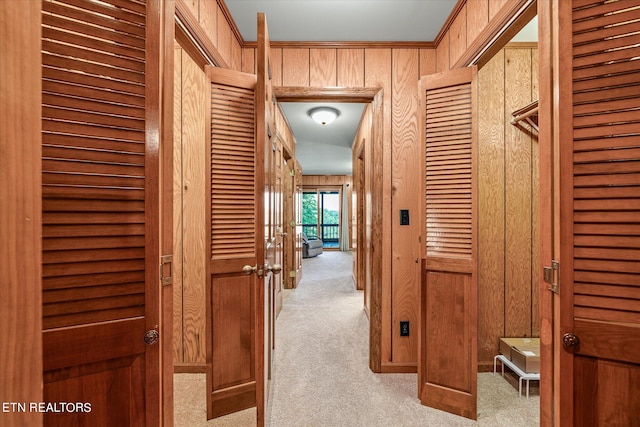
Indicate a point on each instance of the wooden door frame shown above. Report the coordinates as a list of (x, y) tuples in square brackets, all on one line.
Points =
[(381, 231), (21, 215)]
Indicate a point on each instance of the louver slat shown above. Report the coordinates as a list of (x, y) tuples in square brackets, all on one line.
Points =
[(232, 172), (448, 172), (93, 161), (606, 184)]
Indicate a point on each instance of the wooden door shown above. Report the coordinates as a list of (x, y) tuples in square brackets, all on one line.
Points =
[(278, 224), (101, 134), (598, 342), (235, 223), (240, 241), (266, 137), (448, 296)]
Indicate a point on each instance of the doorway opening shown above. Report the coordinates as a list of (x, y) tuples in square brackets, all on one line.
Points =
[(321, 212)]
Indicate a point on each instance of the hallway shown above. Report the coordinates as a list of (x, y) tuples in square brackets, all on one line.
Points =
[(322, 376)]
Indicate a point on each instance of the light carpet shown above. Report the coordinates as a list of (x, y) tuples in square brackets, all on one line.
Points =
[(322, 376)]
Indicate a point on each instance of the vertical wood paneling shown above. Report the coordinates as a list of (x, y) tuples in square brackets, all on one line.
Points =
[(350, 67), (295, 67), (427, 61), (177, 208), (225, 37), (378, 74), (458, 36), (491, 125), (235, 62), (477, 18), (406, 178), (209, 19), (194, 7), (249, 60), (276, 66), (517, 198), (322, 67), (442, 53), (535, 209), (194, 113), (495, 6)]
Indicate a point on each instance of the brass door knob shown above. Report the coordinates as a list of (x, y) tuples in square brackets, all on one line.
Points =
[(249, 270), (275, 268)]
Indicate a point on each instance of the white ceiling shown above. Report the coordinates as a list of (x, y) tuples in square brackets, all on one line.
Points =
[(342, 20), (327, 150)]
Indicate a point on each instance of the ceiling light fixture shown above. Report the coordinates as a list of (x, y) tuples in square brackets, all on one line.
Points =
[(323, 115)]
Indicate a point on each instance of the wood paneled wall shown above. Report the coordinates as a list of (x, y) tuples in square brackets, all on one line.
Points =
[(508, 202), (189, 275), (396, 71), (212, 17), (472, 17)]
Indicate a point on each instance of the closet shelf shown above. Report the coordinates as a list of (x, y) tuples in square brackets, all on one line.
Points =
[(528, 115)]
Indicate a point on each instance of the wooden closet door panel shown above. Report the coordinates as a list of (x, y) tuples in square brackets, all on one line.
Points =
[(600, 206), (100, 210), (447, 363)]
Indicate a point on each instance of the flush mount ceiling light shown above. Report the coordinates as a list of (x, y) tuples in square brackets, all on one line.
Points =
[(323, 115)]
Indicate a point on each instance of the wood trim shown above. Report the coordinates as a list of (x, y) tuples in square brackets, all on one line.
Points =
[(232, 24), (398, 368), (347, 44), (21, 210), (506, 24), (189, 368), (324, 94), (447, 24), (193, 39), (167, 34)]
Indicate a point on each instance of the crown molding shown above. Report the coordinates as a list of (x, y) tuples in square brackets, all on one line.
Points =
[(447, 24)]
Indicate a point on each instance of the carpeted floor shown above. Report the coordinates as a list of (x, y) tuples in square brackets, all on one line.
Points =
[(322, 376)]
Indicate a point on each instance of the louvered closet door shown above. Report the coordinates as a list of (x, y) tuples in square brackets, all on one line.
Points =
[(448, 295), (100, 211), (231, 305), (600, 213)]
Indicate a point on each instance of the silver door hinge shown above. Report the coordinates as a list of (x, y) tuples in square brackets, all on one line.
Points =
[(552, 276)]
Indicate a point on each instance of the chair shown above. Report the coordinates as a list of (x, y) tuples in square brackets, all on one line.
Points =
[(311, 246)]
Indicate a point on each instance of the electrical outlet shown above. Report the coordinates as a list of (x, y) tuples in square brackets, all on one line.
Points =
[(404, 216), (404, 328)]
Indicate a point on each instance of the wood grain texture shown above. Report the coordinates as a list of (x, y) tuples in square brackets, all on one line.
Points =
[(194, 113), (236, 54), (209, 19), (406, 177), (249, 60), (276, 66), (477, 18), (194, 7), (378, 74), (322, 67), (427, 61), (21, 210), (350, 64), (491, 283), (535, 209), (495, 6), (442, 54), (295, 67), (225, 39), (310, 181), (517, 198), (458, 36), (178, 356)]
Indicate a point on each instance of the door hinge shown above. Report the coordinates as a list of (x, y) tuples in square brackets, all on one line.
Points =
[(552, 276), (166, 279)]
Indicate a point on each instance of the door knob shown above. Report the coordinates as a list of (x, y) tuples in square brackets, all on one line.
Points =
[(249, 270), (151, 337), (275, 268), (570, 341)]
